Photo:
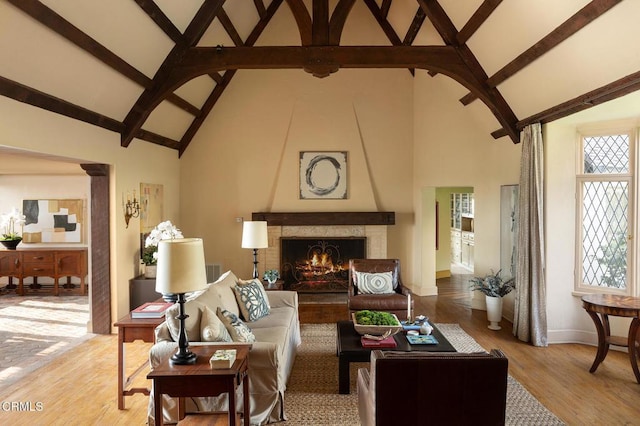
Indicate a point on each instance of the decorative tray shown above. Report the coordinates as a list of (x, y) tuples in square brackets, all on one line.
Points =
[(376, 330), (422, 339)]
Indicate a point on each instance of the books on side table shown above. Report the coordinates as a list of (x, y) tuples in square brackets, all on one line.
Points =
[(223, 358), (387, 342), (151, 310)]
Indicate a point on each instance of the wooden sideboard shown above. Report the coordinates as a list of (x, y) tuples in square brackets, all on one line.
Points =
[(56, 263)]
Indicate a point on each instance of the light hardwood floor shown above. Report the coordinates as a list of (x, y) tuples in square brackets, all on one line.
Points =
[(80, 387)]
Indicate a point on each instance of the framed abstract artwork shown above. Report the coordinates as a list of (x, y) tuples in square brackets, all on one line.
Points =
[(323, 175), (53, 221)]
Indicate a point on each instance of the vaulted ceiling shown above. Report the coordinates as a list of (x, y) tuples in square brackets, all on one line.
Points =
[(155, 70)]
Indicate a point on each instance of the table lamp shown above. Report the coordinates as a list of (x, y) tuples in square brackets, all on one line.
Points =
[(181, 269), (255, 236)]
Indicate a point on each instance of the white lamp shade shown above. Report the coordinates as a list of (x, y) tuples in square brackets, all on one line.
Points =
[(254, 235), (181, 266)]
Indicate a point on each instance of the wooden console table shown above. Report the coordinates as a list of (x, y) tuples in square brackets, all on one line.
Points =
[(620, 306), (43, 262), (130, 330)]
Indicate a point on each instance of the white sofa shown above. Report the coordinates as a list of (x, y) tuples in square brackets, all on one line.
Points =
[(277, 337)]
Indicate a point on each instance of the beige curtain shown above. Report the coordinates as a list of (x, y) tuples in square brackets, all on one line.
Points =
[(530, 310)]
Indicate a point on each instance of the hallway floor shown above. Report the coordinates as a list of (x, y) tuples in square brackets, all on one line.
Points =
[(36, 329)]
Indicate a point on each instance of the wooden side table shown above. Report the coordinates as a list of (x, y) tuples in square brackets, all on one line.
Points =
[(200, 379), (620, 306), (130, 330)]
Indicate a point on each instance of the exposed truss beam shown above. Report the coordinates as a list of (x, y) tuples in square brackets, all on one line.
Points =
[(194, 32), (19, 92), (618, 88), (575, 23), (161, 20), (64, 28), (320, 23), (262, 11), (442, 59), (479, 17), (303, 20), (224, 80), (229, 28), (414, 28), (338, 19), (383, 22), (501, 110)]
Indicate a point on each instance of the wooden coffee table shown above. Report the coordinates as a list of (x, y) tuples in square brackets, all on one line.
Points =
[(349, 349), (200, 379)]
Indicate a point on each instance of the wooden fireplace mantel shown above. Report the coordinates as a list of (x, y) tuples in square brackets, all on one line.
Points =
[(326, 218)]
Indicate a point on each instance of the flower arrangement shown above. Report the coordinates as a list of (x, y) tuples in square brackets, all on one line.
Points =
[(9, 222), (493, 285), (271, 275), (163, 231)]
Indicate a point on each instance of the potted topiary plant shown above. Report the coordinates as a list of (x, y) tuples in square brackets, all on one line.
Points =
[(494, 288), (271, 275)]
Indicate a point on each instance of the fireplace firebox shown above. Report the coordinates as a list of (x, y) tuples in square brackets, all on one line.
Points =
[(319, 265)]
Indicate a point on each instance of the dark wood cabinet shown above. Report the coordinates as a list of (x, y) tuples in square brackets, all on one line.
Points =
[(55, 263), (142, 290)]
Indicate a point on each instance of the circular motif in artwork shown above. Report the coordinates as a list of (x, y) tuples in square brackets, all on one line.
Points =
[(323, 174)]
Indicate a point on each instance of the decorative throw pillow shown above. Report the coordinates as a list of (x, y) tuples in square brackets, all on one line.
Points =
[(251, 301), (238, 330), (212, 329), (375, 283), (259, 283), (191, 325)]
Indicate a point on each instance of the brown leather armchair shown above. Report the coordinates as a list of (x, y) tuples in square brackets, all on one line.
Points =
[(422, 388), (395, 302)]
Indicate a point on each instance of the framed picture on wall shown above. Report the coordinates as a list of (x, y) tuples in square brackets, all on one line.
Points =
[(53, 221), (323, 175)]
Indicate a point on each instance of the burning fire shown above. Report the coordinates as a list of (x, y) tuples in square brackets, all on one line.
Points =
[(319, 264)]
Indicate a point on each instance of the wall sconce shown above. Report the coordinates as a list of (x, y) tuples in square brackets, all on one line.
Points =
[(131, 208)]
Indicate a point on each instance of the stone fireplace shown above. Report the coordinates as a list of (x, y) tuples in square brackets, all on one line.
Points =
[(370, 228)]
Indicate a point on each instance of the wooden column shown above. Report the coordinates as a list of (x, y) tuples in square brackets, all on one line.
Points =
[(100, 258)]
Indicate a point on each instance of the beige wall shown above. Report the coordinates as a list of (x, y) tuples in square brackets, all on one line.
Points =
[(453, 147), (33, 129), (246, 156)]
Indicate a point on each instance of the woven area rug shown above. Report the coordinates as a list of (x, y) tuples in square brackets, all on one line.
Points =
[(312, 394)]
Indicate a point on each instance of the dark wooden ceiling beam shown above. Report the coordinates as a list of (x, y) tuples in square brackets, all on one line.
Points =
[(490, 95), (477, 19), (194, 32), (618, 88), (575, 23), (414, 28), (224, 80), (384, 8), (383, 22), (320, 23), (338, 19), (161, 20), (28, 95), (230, 28), (262, 11), (303, 20), (64, 28)]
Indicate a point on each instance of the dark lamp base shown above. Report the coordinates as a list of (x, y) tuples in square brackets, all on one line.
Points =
[(183, 359)]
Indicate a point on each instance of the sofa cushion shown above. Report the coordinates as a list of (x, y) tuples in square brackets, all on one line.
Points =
[(193, 309), (211, 328), (374, 283), (238, 330), (223, 287), (251, 300)]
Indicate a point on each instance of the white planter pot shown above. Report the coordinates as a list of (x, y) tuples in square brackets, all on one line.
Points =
[(494, 312), (150, 271)]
